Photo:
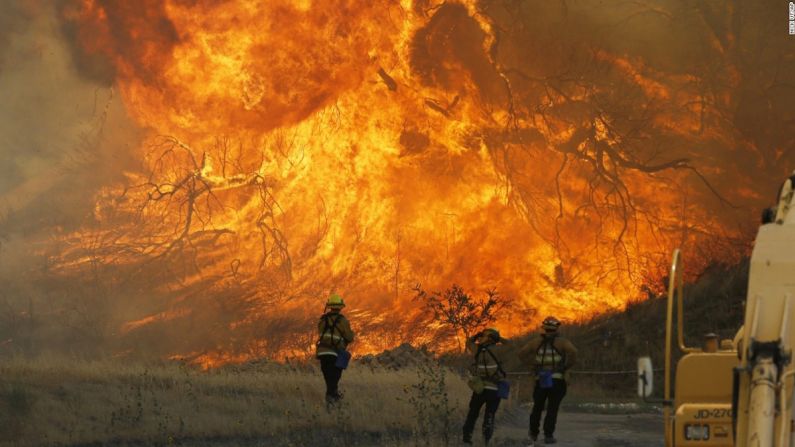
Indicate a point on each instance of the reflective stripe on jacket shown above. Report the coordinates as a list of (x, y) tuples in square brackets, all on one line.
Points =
[(548, 358), (487, 365), (551, 353), (334, 333)]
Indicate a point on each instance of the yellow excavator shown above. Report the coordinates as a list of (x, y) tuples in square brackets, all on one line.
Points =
[(737, 392)]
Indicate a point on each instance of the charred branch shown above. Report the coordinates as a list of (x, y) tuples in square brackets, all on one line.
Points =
[(388, 80), (182, 213)]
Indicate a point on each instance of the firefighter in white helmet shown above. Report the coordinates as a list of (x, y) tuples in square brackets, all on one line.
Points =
[(550, 356)]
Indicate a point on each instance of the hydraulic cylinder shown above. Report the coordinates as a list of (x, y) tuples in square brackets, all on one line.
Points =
[(762, 404)]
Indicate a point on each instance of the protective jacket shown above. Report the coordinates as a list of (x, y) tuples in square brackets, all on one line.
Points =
[(334, 333), (550, 352), (487, 366)]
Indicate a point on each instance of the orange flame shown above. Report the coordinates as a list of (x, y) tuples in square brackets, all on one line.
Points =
[(300, 147)]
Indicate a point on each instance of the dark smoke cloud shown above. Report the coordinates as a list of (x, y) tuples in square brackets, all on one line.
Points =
[(96, 44), (739, 60), (454, 39)]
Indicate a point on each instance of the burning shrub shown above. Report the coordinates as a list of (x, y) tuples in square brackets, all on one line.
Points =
[(461, 311), (404, 356)]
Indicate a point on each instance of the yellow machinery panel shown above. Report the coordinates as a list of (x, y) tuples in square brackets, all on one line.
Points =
[(703, 399), (703, 424), (705, 377)]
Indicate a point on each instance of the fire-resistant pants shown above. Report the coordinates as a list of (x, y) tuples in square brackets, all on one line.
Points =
[(332, 375), (492, 402), (551, 397)]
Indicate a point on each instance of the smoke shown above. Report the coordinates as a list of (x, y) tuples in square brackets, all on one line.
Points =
[(97, 44), (63, 136), (14, 19)]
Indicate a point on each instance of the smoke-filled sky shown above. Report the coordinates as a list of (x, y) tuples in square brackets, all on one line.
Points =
[(206, 172), (52, 121)]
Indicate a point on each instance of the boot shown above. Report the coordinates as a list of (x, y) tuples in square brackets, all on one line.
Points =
[(550, 440), (333, 402), (531, 441)]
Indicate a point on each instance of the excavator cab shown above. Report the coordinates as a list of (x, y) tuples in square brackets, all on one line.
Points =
[(698, 413)]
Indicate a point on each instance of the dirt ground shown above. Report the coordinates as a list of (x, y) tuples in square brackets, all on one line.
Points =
[(584, 430)]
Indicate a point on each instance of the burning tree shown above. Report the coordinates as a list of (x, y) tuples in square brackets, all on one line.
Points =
[(461, 311)]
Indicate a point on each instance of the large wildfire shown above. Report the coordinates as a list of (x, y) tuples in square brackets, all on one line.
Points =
[(286, 149)]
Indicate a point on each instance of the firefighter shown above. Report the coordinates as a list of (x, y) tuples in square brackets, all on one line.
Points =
[(334, 336), (550, 356), (488, 374)]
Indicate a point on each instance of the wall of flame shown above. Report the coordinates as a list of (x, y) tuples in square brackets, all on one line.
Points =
[(297, 147)]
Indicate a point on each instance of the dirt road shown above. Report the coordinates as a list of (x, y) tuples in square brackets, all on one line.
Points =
[(586, 430)]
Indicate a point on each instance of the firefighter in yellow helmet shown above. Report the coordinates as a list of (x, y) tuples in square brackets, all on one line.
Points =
[(334, 335), (550, 356), (488, 374)]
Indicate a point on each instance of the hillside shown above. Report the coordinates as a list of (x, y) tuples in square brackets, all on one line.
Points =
[(613, 341)]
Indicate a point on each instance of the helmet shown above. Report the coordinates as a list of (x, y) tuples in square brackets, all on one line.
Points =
[(550, 324), (492, 333), (335, 301)]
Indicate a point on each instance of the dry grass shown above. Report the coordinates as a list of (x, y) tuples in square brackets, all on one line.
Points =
[(47, 402), (61, 402)]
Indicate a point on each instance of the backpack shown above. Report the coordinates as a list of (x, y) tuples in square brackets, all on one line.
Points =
[(500, 373), (545, 379), (328, 328), (547, 345), (503, 387)]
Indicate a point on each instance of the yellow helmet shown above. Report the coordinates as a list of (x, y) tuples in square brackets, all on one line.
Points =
[(335, 301)]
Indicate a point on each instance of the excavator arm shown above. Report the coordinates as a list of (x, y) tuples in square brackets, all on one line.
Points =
[(763, 393)]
